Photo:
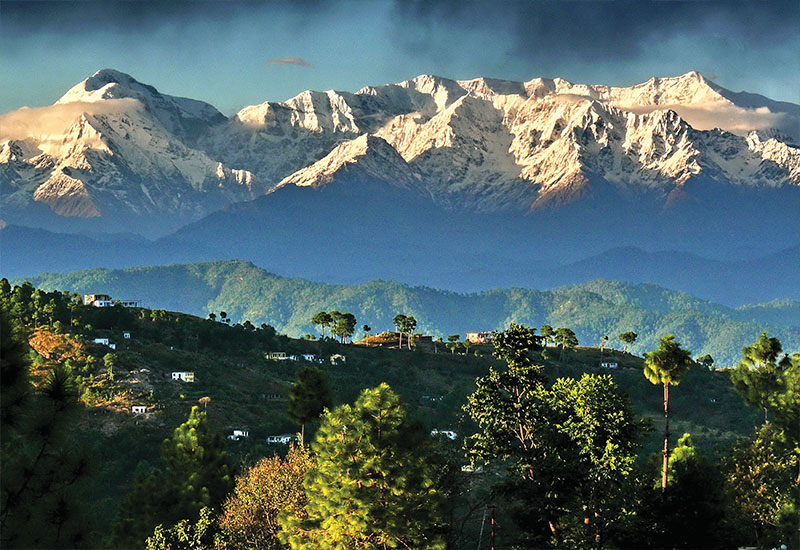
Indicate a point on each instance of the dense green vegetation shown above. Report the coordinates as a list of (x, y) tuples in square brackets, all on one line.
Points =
[(173, 460), (593, 310)]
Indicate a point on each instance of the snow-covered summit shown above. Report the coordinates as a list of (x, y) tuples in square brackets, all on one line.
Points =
[(112, 143)]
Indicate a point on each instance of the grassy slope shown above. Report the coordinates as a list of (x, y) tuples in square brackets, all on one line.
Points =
[(593, 309)]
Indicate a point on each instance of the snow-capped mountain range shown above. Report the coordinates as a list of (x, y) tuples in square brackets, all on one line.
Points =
[(119, 152)]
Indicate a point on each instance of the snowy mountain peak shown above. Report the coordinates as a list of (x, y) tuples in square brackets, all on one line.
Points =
[(113, 144)]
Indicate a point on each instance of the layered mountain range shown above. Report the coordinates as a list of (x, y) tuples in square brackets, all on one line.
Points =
[(115, 150), (465, 185)]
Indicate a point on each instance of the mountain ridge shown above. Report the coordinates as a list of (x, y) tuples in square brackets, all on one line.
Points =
[(125, 152), (247, 292)]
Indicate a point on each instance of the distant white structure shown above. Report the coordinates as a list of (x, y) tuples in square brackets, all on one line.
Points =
[(450, 434), (239, 434), (276, 356), (338, 358), (97, 300), (312, 358), (126, 335), (139, 409), (104, 300), (283, 439), (609, 365), (103, 341), (183, 376), (470, 469), (479, 337)]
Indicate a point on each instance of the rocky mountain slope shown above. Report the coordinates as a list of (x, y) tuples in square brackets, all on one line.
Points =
[(113, 151)]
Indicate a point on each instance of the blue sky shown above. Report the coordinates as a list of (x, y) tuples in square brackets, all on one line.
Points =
[(219, 52)]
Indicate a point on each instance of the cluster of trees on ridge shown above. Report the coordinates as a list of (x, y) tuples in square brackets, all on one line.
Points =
[(566, 451)]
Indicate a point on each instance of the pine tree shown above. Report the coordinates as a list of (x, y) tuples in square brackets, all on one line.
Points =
[(309, 396), (197, 469), (42, 470), (371, 485)]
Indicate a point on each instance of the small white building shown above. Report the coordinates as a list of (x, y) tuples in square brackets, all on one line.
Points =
[(283, 439), (139, 409), (239, 434), (105, 342), (609, 365), (276, 356), (104, 300), (126, 335), (183, 376), (450, 434), (312, 358), (338, 358), (97, 300)]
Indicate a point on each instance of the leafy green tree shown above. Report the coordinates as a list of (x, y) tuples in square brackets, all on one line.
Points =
[(399, 323), (666, 365), (408, 326), (452, 342), (366, 329), (758, 376), (309, 396), (41, 470), (186, 536), (548, 334), (691, 513), (706, 361), (322, 319), (515, 345), (344, 325), (569, 448), (371, 485), (764, 496), (271, 487), (628, 338), (566, 338), (467, 344)]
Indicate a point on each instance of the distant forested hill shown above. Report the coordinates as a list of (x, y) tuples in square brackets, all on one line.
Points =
[(592, 310)]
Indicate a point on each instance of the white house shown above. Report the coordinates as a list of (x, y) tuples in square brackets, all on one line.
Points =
[(450, 434), (104, 300), (283, 439), (239, 434), (609, 365), (185, 376), (276, 356), (338, 358), (139, 409), (103, 341), (97, 300), (312, 358), (126, 335)]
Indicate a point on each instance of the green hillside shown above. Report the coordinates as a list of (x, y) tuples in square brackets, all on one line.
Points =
[(595, 309)]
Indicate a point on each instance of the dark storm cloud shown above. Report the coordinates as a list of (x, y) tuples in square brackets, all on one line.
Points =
[(608, 29), (135, 15)]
